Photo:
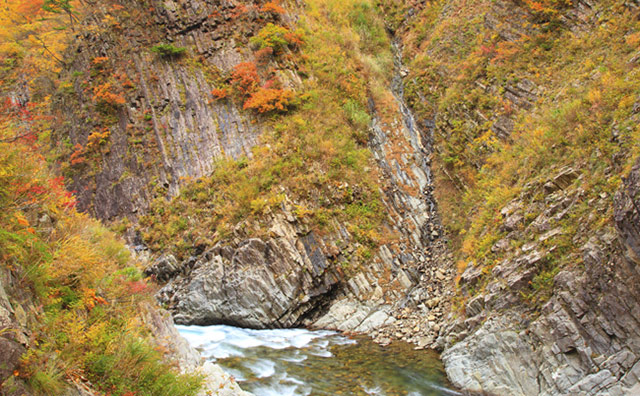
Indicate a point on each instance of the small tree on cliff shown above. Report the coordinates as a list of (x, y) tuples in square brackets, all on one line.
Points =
[(60, 6)]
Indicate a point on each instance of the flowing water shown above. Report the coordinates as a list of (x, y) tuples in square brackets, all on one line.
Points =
[(302, 362)]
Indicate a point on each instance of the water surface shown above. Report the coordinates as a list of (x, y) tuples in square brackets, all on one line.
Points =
[(294, 362)]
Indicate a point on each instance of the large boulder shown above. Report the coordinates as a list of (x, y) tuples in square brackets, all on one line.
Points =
[(258, 284)]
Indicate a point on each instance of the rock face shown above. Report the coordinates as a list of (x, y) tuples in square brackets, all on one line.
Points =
[(170, 129), (586, 340), (14, 333), (296, 277), (256, 284), (293, 278), (533, 319)]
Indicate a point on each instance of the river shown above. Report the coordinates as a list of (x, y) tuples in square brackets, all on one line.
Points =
[(292, 362)]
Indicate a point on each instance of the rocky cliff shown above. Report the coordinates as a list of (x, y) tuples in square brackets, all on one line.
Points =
[(534, 186), (584, 340), (170, 130), (331, 219), (299, 277)]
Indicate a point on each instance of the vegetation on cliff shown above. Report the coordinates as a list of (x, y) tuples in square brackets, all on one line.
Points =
[(520, 94), (74, 280), (313, 152), (534, 106)]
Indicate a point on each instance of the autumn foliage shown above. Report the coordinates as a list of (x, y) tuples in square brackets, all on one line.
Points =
[(264, 55), (272, 7), (276, 37), (269, 99), (104, 95), (98, 138), (220, 93), (245, 78), (83, 292)]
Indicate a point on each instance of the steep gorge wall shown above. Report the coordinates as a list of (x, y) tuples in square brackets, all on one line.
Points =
[(170, 131), (543, 276), (533, 181), (584, 340), (298, 276)]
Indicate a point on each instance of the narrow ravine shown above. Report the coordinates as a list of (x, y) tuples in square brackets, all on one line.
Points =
[(293, 362)]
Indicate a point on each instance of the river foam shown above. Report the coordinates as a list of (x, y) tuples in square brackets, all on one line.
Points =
[(299, 362)]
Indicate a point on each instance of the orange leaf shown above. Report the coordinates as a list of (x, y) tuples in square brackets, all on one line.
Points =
[(22, 220)]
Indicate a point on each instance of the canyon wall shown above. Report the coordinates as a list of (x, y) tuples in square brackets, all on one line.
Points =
[(536, 184), (171, 131), (525, 149)]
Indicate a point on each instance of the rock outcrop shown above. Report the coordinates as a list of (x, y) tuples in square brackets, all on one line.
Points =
[(549, 305), (170, 130), (189, 360), (255, 284), (14, 332), (586, 338), (297, 277)]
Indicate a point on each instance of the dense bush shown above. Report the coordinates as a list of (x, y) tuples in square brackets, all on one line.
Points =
[(168, 50), (276, 37), (269, 99), (245, 78)]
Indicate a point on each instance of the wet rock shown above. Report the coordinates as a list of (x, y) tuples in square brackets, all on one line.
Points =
[(272, 283), (188, 359), (492, 360)]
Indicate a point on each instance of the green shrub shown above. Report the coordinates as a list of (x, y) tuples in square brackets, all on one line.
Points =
[(356, 114), (168, 50), (276, 37), (48, 382)]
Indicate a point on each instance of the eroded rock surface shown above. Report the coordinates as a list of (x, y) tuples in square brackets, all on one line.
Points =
[(171, 129), (275, 283), (586, 339), (189, 360), (296, 277)]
